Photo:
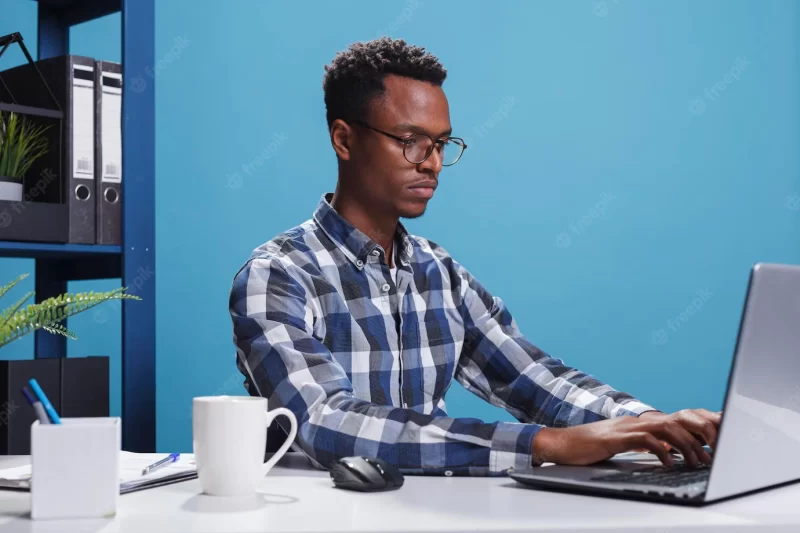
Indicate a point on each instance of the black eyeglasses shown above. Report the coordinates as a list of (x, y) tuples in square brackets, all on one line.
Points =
[(418, 147)]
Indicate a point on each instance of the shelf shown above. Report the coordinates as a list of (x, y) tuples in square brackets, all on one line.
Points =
[(68, 262), (37, 250), (28, 110), (71, 12), (134, 261)]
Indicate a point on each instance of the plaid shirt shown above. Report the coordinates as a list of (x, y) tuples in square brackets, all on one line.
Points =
[(365, 363)]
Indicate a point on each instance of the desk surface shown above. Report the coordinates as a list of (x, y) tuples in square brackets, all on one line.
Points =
[(296, 497)]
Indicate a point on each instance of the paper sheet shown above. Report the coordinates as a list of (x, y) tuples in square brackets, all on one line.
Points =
[(17, 473), (111, 129), (131, 466), (130, 470), (83, 122)]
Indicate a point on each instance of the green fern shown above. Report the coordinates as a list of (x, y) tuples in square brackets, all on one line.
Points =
[(8, 313), (61, 330), (12, 284), (17, 321)]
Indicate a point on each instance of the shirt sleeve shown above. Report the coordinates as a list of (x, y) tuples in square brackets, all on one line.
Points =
[(273, 332), (500, 365)]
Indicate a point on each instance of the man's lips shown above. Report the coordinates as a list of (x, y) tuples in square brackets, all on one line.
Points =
[(423, 189)]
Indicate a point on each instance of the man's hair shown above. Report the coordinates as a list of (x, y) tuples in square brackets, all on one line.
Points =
[(355, 76)]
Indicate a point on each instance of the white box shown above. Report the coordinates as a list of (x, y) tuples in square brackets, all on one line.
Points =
[(75, 468)]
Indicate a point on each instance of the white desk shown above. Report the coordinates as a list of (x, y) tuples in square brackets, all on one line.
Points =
[(295, 497)]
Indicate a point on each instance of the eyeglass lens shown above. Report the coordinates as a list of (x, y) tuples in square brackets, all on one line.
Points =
[(418, 147)]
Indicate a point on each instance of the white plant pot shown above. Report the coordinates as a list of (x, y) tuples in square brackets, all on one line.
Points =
[(10, 191)]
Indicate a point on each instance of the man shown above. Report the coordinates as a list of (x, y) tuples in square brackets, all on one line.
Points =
[(360, 328)]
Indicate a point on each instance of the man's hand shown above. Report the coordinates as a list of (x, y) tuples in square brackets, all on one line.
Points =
[(585, 444)]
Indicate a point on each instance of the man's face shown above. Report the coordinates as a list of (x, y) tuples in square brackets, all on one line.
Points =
[(387, 180)]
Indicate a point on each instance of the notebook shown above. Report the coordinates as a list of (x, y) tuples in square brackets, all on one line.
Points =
[(130, 472)]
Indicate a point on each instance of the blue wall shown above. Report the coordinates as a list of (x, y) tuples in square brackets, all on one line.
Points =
[(627, 164)]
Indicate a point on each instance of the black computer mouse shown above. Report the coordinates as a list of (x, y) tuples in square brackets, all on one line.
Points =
[(365, 474)]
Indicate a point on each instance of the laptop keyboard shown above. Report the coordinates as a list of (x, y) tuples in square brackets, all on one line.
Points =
[(664, 476)]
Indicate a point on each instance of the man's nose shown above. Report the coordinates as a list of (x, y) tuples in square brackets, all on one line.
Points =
[(434, 162)]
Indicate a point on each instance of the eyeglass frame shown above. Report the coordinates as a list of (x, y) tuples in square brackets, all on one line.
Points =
[(405, 140)]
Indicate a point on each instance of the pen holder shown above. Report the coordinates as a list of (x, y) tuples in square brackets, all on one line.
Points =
[(75, 468)]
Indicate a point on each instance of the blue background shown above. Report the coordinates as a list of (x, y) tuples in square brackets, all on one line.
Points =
[(622, 157)]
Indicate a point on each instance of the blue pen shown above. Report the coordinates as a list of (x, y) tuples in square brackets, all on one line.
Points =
[(37, 406), (162, 463), (45, 402)]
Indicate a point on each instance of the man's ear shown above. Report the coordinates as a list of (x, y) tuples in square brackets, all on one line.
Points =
[(341, 139)]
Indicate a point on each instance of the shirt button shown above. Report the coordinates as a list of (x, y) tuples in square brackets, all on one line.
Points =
[(386, 287), (376, 253), (359, 263), (448, 473)]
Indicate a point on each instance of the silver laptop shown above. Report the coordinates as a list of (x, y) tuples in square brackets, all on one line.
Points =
[(758, 445)]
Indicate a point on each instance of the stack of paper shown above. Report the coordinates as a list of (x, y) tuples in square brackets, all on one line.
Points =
[(131, 465), (130, 472)]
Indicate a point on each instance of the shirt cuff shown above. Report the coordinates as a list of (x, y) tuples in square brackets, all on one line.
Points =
[(631, 408), (512, 447)]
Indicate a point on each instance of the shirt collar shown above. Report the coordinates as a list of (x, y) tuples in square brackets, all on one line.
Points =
[(355, 244)]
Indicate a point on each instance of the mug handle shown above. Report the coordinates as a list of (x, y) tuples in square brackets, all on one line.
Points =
[(270, 416)]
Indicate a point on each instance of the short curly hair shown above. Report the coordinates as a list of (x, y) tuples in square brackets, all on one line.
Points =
[(355, 76)]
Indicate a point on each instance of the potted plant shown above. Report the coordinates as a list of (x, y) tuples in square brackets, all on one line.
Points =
[(17, 321), (21, 143)]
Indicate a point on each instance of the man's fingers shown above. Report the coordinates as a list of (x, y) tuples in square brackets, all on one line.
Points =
[(713, 417), (697, 447), (647, 441), (698, 424), (682, 440), (710, 422)]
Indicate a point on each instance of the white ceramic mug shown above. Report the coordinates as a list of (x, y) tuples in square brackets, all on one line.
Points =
[(229, 438)]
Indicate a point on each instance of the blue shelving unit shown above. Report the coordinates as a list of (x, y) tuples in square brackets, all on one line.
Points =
[(57, 264)]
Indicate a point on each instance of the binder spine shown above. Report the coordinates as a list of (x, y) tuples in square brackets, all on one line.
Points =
[(108, 152), (80, 166)]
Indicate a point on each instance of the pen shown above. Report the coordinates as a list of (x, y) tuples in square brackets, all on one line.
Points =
[(37, 406), (161, 464), (48, 407)]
